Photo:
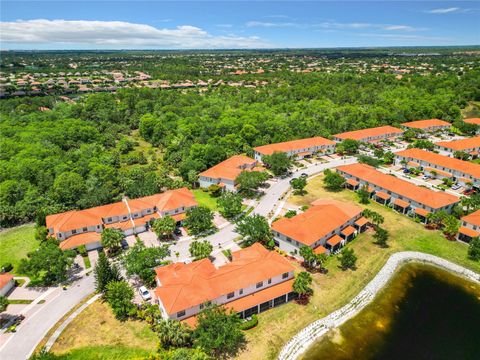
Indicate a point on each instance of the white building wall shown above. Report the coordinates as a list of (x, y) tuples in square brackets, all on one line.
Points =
[(6, 289)]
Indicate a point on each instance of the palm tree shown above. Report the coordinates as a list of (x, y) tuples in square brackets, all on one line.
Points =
[(112, 239), (301, 285), (173, 334)]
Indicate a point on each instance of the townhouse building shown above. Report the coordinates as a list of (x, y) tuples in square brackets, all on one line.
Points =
[(225, 173), (297, 149), (255, 280), (371, 134), (468, 145), (325, 227), (470, 227), (474, 121), (402, 195), (84, 227), (430, 125), (7, 283), (440, 166)]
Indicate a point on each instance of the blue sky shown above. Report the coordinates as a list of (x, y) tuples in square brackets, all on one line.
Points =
[(236, 24)]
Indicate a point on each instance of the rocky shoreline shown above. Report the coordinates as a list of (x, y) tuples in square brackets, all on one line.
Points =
[(307, 336)]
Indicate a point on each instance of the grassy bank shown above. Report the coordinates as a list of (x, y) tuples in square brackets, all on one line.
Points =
[(16, 243), (96, 334), (335, 289), (205, 199)]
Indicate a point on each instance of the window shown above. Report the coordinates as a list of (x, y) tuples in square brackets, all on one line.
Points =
[(201, 306), (240, 292), (74, 231), (230, 295), (269, 281), (109, 219), (180, 313), (260, 284), (84, 229), (284, 275)]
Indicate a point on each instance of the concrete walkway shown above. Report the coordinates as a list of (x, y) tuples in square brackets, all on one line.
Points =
[(306, 337)]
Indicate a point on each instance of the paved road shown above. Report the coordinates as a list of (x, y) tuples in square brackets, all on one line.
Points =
[(40, 318)]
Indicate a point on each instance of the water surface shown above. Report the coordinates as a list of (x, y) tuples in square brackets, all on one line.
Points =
[(423, 313)]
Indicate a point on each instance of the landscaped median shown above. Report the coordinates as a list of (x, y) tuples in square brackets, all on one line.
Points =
[(300, 342)]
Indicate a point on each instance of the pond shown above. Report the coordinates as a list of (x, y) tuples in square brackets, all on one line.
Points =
[(423, 313)]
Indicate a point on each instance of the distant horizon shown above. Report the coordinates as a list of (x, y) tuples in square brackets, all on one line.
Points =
[(208, 25)]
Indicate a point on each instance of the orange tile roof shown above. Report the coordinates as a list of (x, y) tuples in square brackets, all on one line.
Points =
[(425, 124), (334, 240), (261, 296), (413, 163), (460, 145), (80, 239), (382, 195), (324, 216), (469, 232), (401, 203), (230, 168), (465, 167), (473, 218), (360, 135), (293, 145), (5, 278), (361, 221), (349, 230), (122, 225), (422, 195), (186, 285), (166, 201), (179, 217), (320, 250), (352, 182), (422, 212), (474, 121), (439, 172)]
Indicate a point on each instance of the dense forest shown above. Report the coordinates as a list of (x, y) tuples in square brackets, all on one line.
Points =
[(84, 153)]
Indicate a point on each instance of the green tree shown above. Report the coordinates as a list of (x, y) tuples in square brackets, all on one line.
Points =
[(450, 226), (69, 187), (254, 229), (249, 181), (376, 218), (218, 332), (388, 157), (141, 261), (474, 249), (199, 220), (381, 236), (119, 295), (180, 354), (173, 334), (435, 219), (200, 249), (363, 195), (48, 264), (279, 163), (105, 273), (3, 303), (348, 146), (348, 259), (230, 204), (111, 239), (298, 184), (302, 284), (164, 227), (41, 233), (306, 252), (290, 214), (333, 181)]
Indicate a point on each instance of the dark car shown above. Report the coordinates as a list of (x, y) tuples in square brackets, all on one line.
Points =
[(304, 175), (469, 192), (406, 171), (177, 231)]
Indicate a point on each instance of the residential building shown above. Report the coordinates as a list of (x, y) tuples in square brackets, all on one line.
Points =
[(468, 145), (430, 125), (255, 280), (474, 121), (7, 283), (370, 134), (84, 227), (440, 166), (470, 227), (297, 149), (325, 226), (225, 173), (402, 195)]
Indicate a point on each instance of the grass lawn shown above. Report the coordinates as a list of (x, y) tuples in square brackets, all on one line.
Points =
[(205, 199), (16, 243), (335, 289), (96, 334)]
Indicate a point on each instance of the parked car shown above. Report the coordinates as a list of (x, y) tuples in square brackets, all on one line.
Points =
[(144, 293), (304, 175), (456, 187), (425, 177), (406, 171), (469, 192), (177, 231)]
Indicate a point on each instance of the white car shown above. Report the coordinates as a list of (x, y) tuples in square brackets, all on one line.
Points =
[(425, 177), (144, 293)]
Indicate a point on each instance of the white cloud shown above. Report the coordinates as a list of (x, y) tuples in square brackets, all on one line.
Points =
[(410, 37), (444, 10), (117, 34), (332, 25)]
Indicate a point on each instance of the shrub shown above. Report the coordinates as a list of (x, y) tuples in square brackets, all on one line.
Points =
[(7, 267), (249, 324), (82, 250)]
